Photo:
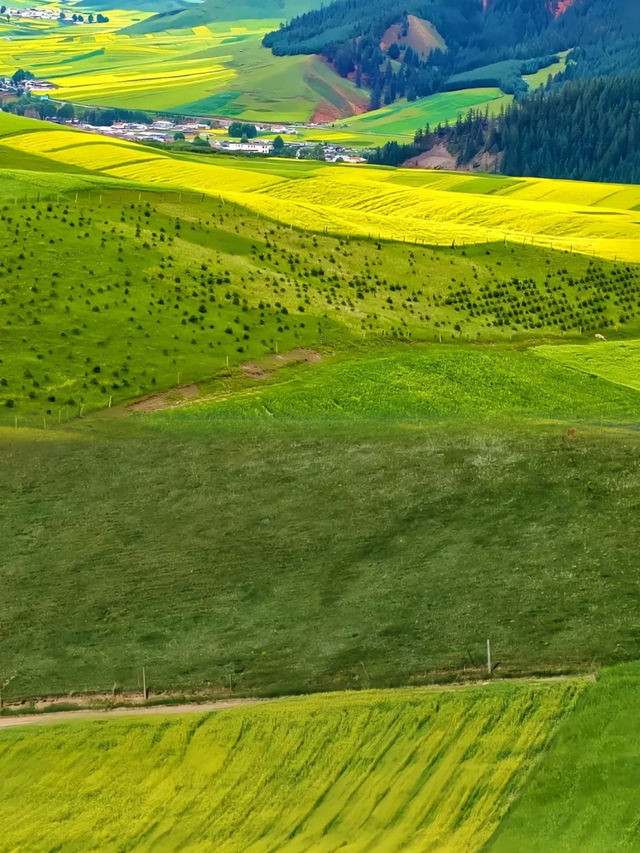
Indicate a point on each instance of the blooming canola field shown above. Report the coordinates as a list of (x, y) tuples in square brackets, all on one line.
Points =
[(380, 770), (436, 208)]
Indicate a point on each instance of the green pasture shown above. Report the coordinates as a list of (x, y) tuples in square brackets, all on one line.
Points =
[(400, 121), (583, 794), (206, 547), (617, 361), (422, 382), (540, 77)]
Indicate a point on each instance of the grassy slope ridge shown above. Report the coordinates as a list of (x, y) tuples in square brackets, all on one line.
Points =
[(431, 382), (584, 794), (375, 771), (617, 361)]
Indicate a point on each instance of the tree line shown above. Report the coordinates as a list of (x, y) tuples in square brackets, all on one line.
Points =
[(584, 130)]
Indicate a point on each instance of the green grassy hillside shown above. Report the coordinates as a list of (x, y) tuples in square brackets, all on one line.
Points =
[(584, 793), (374, 396), (421, 384), (406, 770), (617, 361), (117, 293), (205, 549)]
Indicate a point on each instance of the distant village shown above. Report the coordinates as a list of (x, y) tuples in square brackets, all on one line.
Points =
[(31, 97), (12, 86), (209, 134), (45, 13)]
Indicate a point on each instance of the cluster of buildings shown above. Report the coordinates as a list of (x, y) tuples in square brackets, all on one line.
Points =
[(12, 87), (165, 131), (35, 14), (157, 131), (44, 13)]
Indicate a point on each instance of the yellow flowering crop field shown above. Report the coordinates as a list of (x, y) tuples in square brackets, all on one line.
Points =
[(436, 208), (219, 69), (380, 770)]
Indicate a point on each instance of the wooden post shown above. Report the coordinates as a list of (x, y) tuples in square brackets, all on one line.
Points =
[(489, 656), (144, 685)]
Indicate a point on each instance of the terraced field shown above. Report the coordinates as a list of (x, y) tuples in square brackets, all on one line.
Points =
[(402, 770), (207, 69)]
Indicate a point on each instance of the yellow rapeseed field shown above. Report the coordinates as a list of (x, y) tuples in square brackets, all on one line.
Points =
[(411, 770), (419, 206)]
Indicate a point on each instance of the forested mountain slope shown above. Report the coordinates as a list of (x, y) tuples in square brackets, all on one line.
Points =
[(602, 35), (583, 130)]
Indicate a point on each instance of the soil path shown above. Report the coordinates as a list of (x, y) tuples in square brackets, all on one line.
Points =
[(226, 704), (184, 395), (129, 711)]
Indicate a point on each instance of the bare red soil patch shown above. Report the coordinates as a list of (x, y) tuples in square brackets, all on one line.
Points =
[(167, 398), (422, 36), (559, 7), (265, 367)]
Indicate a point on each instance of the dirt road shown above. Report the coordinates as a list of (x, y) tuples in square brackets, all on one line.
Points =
[(130, 711)]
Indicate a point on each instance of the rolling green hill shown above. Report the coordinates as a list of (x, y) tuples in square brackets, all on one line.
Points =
[(218, 11), (231, 324)]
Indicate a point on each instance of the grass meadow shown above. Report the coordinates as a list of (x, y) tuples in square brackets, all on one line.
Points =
[(617, 361), (401, 770), (404, 545), (584, 793)]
